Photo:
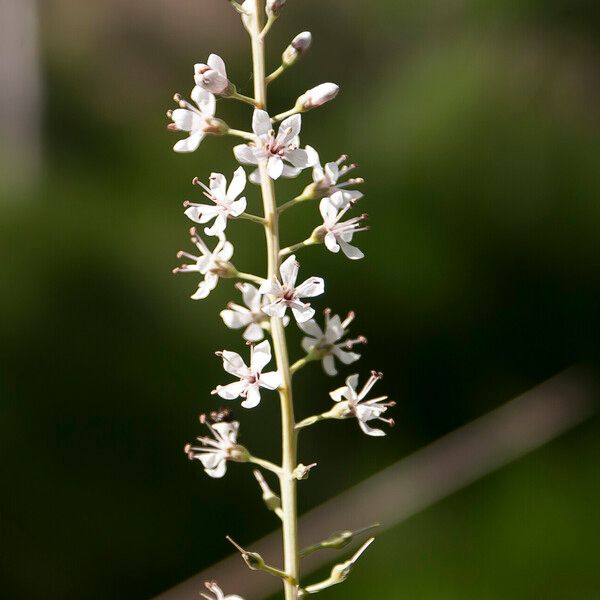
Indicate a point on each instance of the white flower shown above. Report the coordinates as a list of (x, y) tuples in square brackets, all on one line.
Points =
[(212, 265), (250, 316), (251, 378), (212, 76), (353, 403), (328, 343), (325, 182), (216, 451), (286, 294), (317, 96), (225, 203), (217, 593), (336, 233), (275, 149), (197, 120)]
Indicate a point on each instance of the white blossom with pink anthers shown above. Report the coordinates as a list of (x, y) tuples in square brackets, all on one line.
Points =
[(285, 294), (353, 403), (210, 263), (225, 203), (251, 378), (338, 234), (281, 152), (328, 343)]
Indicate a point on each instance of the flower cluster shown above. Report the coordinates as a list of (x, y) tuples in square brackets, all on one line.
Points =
[(271, 147)]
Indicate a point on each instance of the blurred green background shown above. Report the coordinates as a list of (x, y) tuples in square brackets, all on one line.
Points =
[(477, 129)]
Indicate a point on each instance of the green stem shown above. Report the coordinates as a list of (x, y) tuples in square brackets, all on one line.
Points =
[(283, 115), (288, 462), (253, 218), (298, 246), (242, 98), (250, 277), (246, 135), (291, 203), (275, 74), (265, 464), (310, 421)]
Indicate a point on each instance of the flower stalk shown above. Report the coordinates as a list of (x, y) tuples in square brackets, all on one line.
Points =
[(262, 314), (288, 434)]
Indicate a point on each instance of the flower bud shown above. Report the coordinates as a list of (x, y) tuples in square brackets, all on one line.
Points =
[(298, 46), (254, 560), (317, 96), (271, 500), (303, 471), (339, 572), (274, 7), (213, 77)]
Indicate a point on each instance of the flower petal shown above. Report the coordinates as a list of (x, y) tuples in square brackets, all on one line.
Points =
[(261, 356), (237, 185), (329, 365), (251, 296), (275, 309), (289, 171), (252, 397), (231, 390), (234, 319), (289, 271), (312, 328), (205, 101), (371, 430), (313, 286), (189, 144), (298, 157), (289, 129), (216, 62), (261, 122), (245, 154), (233, 363), (271, 380), (254, 333), (303, 313), (218, 471), (271, 287), (274, 167)]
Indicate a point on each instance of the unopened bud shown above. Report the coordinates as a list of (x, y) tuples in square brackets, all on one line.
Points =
[(274, 7), (213, 77), (317, 96), (254, 560), (298, 46), (303, 471), (271, 500), (339, 572)]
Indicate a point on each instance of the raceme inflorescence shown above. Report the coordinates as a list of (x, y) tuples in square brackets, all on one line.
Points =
[(280, 298)]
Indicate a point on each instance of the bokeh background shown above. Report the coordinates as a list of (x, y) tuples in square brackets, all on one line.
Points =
[(477, 127)]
